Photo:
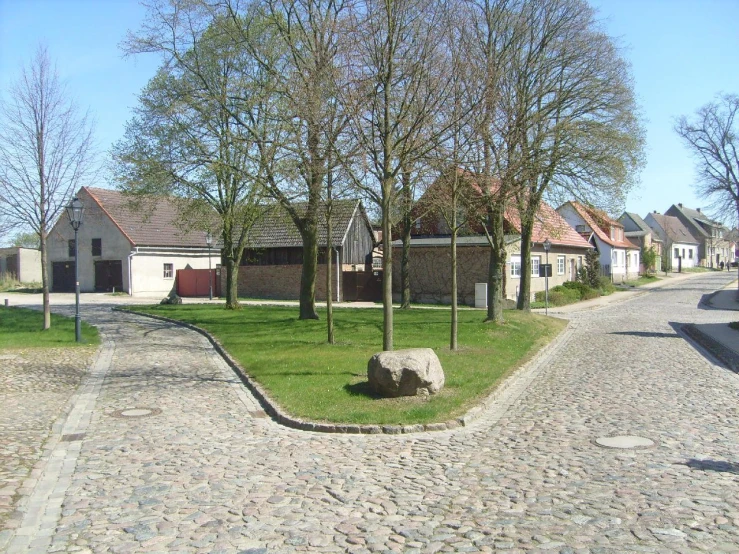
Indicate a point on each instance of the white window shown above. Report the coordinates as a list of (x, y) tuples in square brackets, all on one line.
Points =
[(535, 261), (515, 266), (676, 253), (560, 265), (614, 258), (168, 271), (579, 262)]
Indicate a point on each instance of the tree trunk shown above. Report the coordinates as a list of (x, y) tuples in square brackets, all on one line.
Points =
[(45, 281), (405, 277), (232, 283), (329, 300), (524, 290), (387, 280), (309, 233), (496, 267), (453, 339)]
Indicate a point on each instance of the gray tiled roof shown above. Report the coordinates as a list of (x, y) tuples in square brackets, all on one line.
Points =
[(156, 224), (674, 228), (636, 218), (277, 230)]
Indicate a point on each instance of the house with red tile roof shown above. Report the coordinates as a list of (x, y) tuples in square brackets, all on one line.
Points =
[(430, 271), (619, 257), (126, 247)]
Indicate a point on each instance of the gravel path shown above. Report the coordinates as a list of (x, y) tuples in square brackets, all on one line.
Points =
[(203, 471)]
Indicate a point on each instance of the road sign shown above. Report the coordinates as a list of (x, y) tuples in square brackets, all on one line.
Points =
[(545, 270)]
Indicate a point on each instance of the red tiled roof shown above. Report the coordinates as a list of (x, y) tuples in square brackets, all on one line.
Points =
[(156, 225), (548, 224), (596, 220)]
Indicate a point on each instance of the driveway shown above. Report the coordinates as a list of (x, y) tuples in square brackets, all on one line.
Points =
[(165, 451)]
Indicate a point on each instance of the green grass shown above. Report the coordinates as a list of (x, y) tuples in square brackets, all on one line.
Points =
[(316, 381), (642, 280), (9, 284), (22, 328)]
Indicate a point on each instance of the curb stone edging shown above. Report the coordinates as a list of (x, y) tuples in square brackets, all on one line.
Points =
[(274, 411), (712, 346)]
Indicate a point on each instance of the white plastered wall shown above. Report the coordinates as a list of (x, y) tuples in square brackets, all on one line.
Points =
[(147, 268)]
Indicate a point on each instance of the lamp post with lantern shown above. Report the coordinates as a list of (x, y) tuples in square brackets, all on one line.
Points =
[(547, 247), (75, 211)]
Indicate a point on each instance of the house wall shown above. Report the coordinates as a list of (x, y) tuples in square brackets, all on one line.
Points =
[(430, 272), (687, 261), (147, 269), (280, 282), (25, 263), (358, 241), (95, 224), (692, 228)]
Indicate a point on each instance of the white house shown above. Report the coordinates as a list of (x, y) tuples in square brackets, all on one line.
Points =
[(681, 248), (22, 264), (619, 258), (123, 247)]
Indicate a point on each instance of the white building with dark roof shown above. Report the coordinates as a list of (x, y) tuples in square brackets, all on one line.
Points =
[(713, 245), (680, 248), (124, 247)]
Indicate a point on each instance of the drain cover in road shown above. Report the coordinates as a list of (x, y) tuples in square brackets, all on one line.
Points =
[(624, 441), (136, 412)]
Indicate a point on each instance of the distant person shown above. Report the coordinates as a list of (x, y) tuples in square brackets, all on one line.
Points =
[(722, 266)]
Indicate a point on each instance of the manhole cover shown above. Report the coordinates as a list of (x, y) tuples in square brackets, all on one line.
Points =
[(624, 441), (136, 412)]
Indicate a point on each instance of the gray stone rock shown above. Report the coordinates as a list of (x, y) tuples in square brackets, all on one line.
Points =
[(411, 372)]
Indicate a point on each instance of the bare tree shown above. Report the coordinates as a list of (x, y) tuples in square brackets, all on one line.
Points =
[(712, 136), (46, 154), (395, 87)]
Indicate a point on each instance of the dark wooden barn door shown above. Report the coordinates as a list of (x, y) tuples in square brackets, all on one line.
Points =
[(108, 276), (62, 276)]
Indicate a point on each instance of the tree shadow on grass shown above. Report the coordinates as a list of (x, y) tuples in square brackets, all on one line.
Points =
[(720, 466)]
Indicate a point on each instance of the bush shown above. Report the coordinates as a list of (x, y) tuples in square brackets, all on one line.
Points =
[(559, 296), (605, 286)]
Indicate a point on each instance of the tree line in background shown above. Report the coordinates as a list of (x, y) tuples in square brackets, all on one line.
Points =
[(298, 102), (302, 101)]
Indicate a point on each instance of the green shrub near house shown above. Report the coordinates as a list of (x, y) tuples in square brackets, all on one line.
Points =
[(316, 381), (567, 293)]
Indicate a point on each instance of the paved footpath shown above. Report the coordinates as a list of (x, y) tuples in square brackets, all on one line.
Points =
[(195, 467)]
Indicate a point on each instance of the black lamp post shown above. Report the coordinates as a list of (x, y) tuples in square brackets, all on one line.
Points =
[(547, 247), (209, 242), (75, 211)]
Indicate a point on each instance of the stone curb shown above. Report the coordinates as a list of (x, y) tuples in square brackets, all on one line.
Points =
[(723, 354), (282, 418)]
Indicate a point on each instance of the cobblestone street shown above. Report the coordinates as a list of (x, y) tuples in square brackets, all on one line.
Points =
[(171, 454)]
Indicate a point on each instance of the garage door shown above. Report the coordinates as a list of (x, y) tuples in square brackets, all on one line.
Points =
[(108, 276), (62, 277)]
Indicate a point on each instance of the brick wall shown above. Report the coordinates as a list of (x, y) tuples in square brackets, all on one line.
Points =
[(278, 282)]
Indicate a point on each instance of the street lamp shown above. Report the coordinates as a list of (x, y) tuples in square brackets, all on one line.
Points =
[(209, 242), (75, 211), (547, 247)]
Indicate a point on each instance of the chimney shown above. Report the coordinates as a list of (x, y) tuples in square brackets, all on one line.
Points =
[(655, 211), (698, 210), (680, 206)]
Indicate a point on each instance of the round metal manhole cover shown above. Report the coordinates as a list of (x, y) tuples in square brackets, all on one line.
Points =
[(624, 441), (136, 412)]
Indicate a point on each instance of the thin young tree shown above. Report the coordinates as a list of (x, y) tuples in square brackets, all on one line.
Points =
[(46, 154), (395, 70)]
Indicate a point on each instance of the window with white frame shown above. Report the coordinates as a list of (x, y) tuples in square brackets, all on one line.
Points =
[(535, 261), (614, 258), (560, 265), (515, 266), (168, 271)]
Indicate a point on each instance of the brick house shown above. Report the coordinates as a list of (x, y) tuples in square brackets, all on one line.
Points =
[(619, 258), (430, 257), (272, 264), (125, 248)]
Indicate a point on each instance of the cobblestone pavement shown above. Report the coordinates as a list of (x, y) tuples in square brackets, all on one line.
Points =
[(35, 386), (208, 474)]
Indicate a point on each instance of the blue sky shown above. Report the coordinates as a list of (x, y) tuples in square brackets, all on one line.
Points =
[(683, 53)]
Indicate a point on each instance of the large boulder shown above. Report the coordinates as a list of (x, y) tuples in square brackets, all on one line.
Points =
[(411, 372)]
